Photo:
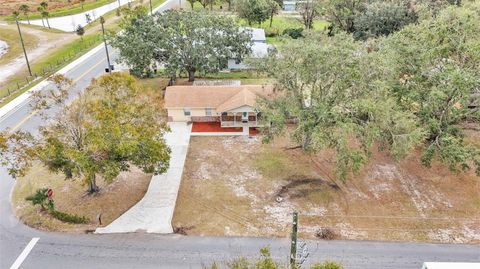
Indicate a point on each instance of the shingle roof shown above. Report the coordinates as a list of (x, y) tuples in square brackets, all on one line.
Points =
[(222, 98)]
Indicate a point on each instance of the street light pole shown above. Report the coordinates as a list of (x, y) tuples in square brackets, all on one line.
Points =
[(23, 46), (102, 21)]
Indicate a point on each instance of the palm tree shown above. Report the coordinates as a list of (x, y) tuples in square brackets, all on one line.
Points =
[(44, 6), (80, 31), (25, 9), (45, 14), (40, 10)]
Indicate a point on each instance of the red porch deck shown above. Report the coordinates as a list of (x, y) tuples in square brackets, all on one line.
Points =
[(214, 127), (201, 127)]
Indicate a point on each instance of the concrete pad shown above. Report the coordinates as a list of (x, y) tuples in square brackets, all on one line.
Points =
[(154, 213), (218, 133)]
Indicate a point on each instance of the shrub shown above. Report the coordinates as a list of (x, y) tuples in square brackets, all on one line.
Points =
[(293, 32), (326, 265), (271, 32), (326, 233), (41, 198), (382, 19), (70, 218)]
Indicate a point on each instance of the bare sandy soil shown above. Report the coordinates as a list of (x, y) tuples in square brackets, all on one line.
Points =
[(70, 196), (240, 187)]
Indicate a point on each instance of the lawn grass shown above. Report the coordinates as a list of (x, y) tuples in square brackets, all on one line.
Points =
[(237, 186), (12, 38), (70, 196), (50, 64), (63, 55), (63, 11)]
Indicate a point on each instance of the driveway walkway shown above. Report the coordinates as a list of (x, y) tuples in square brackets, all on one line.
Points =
[(71, 22), (153, 214)]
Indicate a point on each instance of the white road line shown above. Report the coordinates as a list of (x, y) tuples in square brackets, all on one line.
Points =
[(24, 253)]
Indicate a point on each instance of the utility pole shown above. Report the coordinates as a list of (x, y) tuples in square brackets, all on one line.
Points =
[(102, 21), (293, 246), (151, 8), (23, 46)]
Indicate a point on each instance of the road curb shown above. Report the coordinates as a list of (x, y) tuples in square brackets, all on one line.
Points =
[(12, 105)]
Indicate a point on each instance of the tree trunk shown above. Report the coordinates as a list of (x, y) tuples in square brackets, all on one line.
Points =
[(306, 141), (28, 19), (173, 78), (48, 23), (43, 22), (271, 19), (92, 185), (191, 75)]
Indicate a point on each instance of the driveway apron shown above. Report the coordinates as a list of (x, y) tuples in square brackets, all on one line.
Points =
[(154, 213)]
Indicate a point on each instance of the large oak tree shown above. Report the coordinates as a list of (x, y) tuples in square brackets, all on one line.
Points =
[(329, 87), (187, 41), (106, 130)]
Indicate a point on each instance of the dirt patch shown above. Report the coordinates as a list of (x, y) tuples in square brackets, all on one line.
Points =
[(70, 196), (238, 186)]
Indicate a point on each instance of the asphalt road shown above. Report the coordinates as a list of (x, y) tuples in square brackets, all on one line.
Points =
[(60, 250)]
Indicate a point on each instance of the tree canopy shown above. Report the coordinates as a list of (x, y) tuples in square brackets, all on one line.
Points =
[(410, 90), (181, 41), (256, 11), (433, 72), (328, 86), (382, 19), (105, 131)]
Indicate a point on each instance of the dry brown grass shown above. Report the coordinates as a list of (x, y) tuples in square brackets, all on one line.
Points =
[(238, 186), (70, 196)]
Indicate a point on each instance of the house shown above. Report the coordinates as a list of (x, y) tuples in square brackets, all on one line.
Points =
[(258, 34), (227, 105), (259, 48), (291, 5)]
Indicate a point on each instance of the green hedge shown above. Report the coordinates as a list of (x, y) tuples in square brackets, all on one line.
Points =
[(70, 218)]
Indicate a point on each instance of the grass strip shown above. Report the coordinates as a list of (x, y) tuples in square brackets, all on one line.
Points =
[(63, 11), (60, 58)]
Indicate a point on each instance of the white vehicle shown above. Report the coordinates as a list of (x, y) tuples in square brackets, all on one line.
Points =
[(450, 265)]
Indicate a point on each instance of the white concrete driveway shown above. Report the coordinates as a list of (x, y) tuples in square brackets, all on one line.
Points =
[(154, 213), (71, 22)]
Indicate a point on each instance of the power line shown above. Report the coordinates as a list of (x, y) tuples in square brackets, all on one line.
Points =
[(394, 217)]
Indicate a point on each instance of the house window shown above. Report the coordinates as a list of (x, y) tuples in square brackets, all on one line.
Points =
[(208, 112), (187, 111)]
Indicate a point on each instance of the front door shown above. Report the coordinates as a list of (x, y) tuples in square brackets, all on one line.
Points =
[(244, 117)]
